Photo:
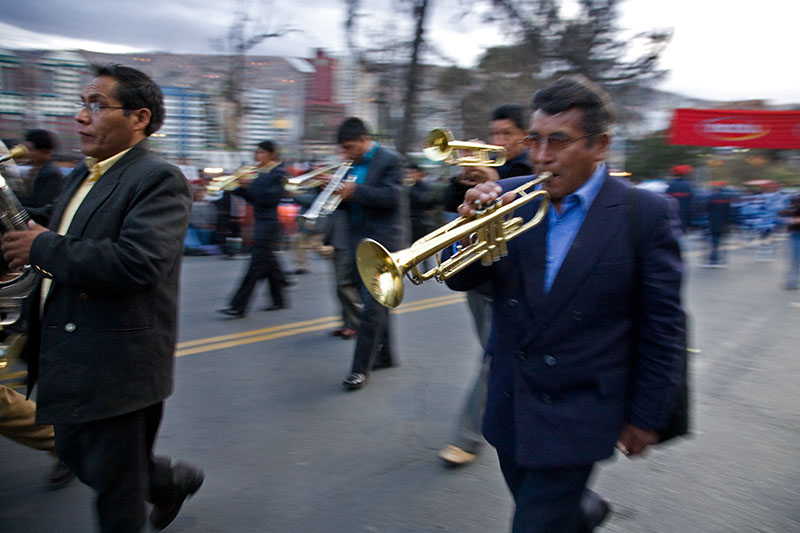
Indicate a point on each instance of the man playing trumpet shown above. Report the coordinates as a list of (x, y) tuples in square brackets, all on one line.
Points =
[(587, 338)]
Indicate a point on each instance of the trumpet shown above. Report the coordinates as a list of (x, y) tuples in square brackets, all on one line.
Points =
[(440, 146), (18, 151), (487, 232), (309, 180), (230, 182), (327, 200)]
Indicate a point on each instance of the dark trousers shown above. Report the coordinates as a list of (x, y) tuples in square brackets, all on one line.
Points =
[(263, 265), (548, 500), (347, 291), (114, 456), (374, 343)]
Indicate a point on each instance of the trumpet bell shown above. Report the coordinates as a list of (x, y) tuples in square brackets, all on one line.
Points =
[(437, 144), (380, 273), (440, 146)]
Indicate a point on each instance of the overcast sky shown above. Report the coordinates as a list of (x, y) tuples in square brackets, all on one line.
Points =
[(719, 50)]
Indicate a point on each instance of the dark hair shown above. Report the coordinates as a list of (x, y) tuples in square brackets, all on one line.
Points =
[(135, 90), (577, 92), (513, 112), (269, 146), (41, 139), (411, 165), (352, 129)]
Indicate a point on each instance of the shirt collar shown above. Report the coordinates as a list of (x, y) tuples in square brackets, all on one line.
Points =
[(589, 190), (370, 153), (103, 166)]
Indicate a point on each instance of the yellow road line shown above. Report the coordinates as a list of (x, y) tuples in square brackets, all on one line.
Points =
[(285, 330)]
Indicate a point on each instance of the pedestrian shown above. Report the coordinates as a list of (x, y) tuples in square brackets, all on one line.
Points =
[(264, 193), (507, 128), (719, 218), (587, 338), (681, 189), (373, 203), (791, 216), (103, 325)]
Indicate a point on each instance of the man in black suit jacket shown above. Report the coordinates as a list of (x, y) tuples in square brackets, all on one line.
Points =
[(264, 194), (374, 203), (44, 180), (587, 339), (104, 324)]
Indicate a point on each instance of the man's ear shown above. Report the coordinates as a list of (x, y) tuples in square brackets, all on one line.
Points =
[(602, 145), (142, 116)]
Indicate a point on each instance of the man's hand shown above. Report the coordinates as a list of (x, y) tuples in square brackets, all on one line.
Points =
[(633, 441), (472, 176), (483, 194), (16, 245), (347, 189)]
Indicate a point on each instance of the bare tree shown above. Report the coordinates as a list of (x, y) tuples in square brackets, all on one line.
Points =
[(382, 58), (243, 35)]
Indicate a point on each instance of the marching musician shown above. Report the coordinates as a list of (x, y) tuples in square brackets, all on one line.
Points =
[(373, 203), (507, 128), (264, 193), (587, 339), (103, 326)]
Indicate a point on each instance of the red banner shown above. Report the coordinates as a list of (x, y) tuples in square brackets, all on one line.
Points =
[(744, 128)]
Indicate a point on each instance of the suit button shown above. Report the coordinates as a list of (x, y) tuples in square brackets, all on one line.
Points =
[(69, 327), (576, 316), (513, 302), (83, 296), (507, 393), (521, 355), (549, 360), (546, 398)]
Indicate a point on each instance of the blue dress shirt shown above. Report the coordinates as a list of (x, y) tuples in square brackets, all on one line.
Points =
[(564, 225)]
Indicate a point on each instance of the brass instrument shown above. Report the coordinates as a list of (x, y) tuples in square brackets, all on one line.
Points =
[(231, 182), (327, 200), (308, 180), (18, 151), (488, 232), (440, 146), (14, 285)]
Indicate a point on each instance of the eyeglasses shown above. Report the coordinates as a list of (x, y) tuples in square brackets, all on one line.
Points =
[(95, 107), (554, 142)]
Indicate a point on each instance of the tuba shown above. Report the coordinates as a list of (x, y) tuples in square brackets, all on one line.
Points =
[(487, 234), (14, 285)]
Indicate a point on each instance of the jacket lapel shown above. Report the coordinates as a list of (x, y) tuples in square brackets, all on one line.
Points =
[(102, 190), (603, 222)]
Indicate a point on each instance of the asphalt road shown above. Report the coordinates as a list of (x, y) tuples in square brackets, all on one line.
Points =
[(258, 404)]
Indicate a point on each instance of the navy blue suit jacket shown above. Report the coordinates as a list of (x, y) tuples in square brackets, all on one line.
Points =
[(264, 194), (603, 347)]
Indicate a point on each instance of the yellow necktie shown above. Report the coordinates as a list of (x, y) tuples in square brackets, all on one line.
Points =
[(95, 174)]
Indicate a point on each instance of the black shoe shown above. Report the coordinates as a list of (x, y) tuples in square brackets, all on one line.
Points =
[(300, 271), (187, 481), (231, 311), (60, 476), (354, 381), (595, 509), (276, 307)]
